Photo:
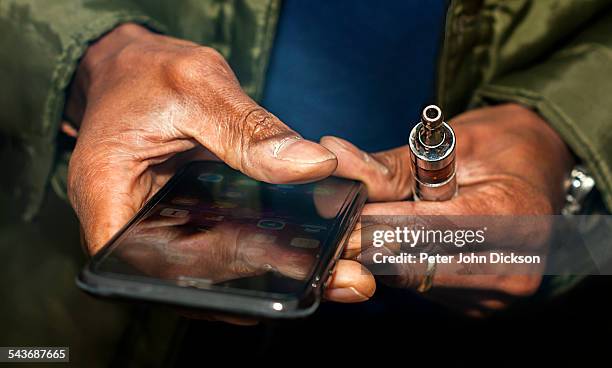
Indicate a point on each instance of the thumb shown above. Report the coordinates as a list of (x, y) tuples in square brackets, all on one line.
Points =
[(387, 175), (250, 139), (350, 283)]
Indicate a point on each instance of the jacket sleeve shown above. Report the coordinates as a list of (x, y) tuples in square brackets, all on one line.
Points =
[(41, 43), (572, 90)]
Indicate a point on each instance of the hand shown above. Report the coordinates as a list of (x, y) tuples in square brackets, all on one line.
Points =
[(183, 250), (170, 248), (145, 104), (193, 246), (509, 162)]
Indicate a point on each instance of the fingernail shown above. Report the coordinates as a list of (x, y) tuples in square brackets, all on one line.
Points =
[(346, 295), (295, 149)]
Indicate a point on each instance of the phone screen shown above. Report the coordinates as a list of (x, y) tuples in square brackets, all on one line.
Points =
[(217, 228)]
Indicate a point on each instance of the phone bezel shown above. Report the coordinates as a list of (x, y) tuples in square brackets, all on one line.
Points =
[(261, 304)]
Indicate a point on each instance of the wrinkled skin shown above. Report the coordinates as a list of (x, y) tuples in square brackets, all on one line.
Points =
[(143, 104), (150, 97), (509, 162)]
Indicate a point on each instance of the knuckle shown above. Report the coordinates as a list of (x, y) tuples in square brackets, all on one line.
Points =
[(253, 126), (258, 124), (210, 54), (197, 65), (128, 56), (185, 68)]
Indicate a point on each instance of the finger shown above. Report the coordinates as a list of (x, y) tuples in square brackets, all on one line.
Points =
[(274, 153), (350, 283), (456, 206), (362, 238), (254, 141), (387, 175)]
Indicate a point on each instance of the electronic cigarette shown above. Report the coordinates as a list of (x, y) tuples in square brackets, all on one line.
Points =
[(432, 152)]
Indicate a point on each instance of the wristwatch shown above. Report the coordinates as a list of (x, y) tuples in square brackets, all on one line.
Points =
[(577, 187)]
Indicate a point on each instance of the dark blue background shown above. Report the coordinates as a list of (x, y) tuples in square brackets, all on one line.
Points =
[(357, 69)]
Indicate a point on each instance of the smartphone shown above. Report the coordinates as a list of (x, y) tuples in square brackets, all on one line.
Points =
[(214, 239)]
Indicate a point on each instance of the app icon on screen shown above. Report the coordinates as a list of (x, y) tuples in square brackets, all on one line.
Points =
[(246, 182), (304, 243), (173, 212), (185, 201), (216, 218), (234, 194), (210, 177), (313, 228), (223, 205), (271, 224)]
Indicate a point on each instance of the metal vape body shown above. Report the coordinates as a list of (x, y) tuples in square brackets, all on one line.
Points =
[(432, 152)]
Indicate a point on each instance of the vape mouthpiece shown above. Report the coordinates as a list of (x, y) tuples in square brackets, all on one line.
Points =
[(432, 148), (432, 117), (432, 133)]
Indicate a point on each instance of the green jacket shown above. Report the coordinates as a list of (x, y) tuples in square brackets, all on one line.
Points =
[(552, 55)]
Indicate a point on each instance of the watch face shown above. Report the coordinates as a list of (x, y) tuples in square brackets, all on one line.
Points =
[(578, 186)]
